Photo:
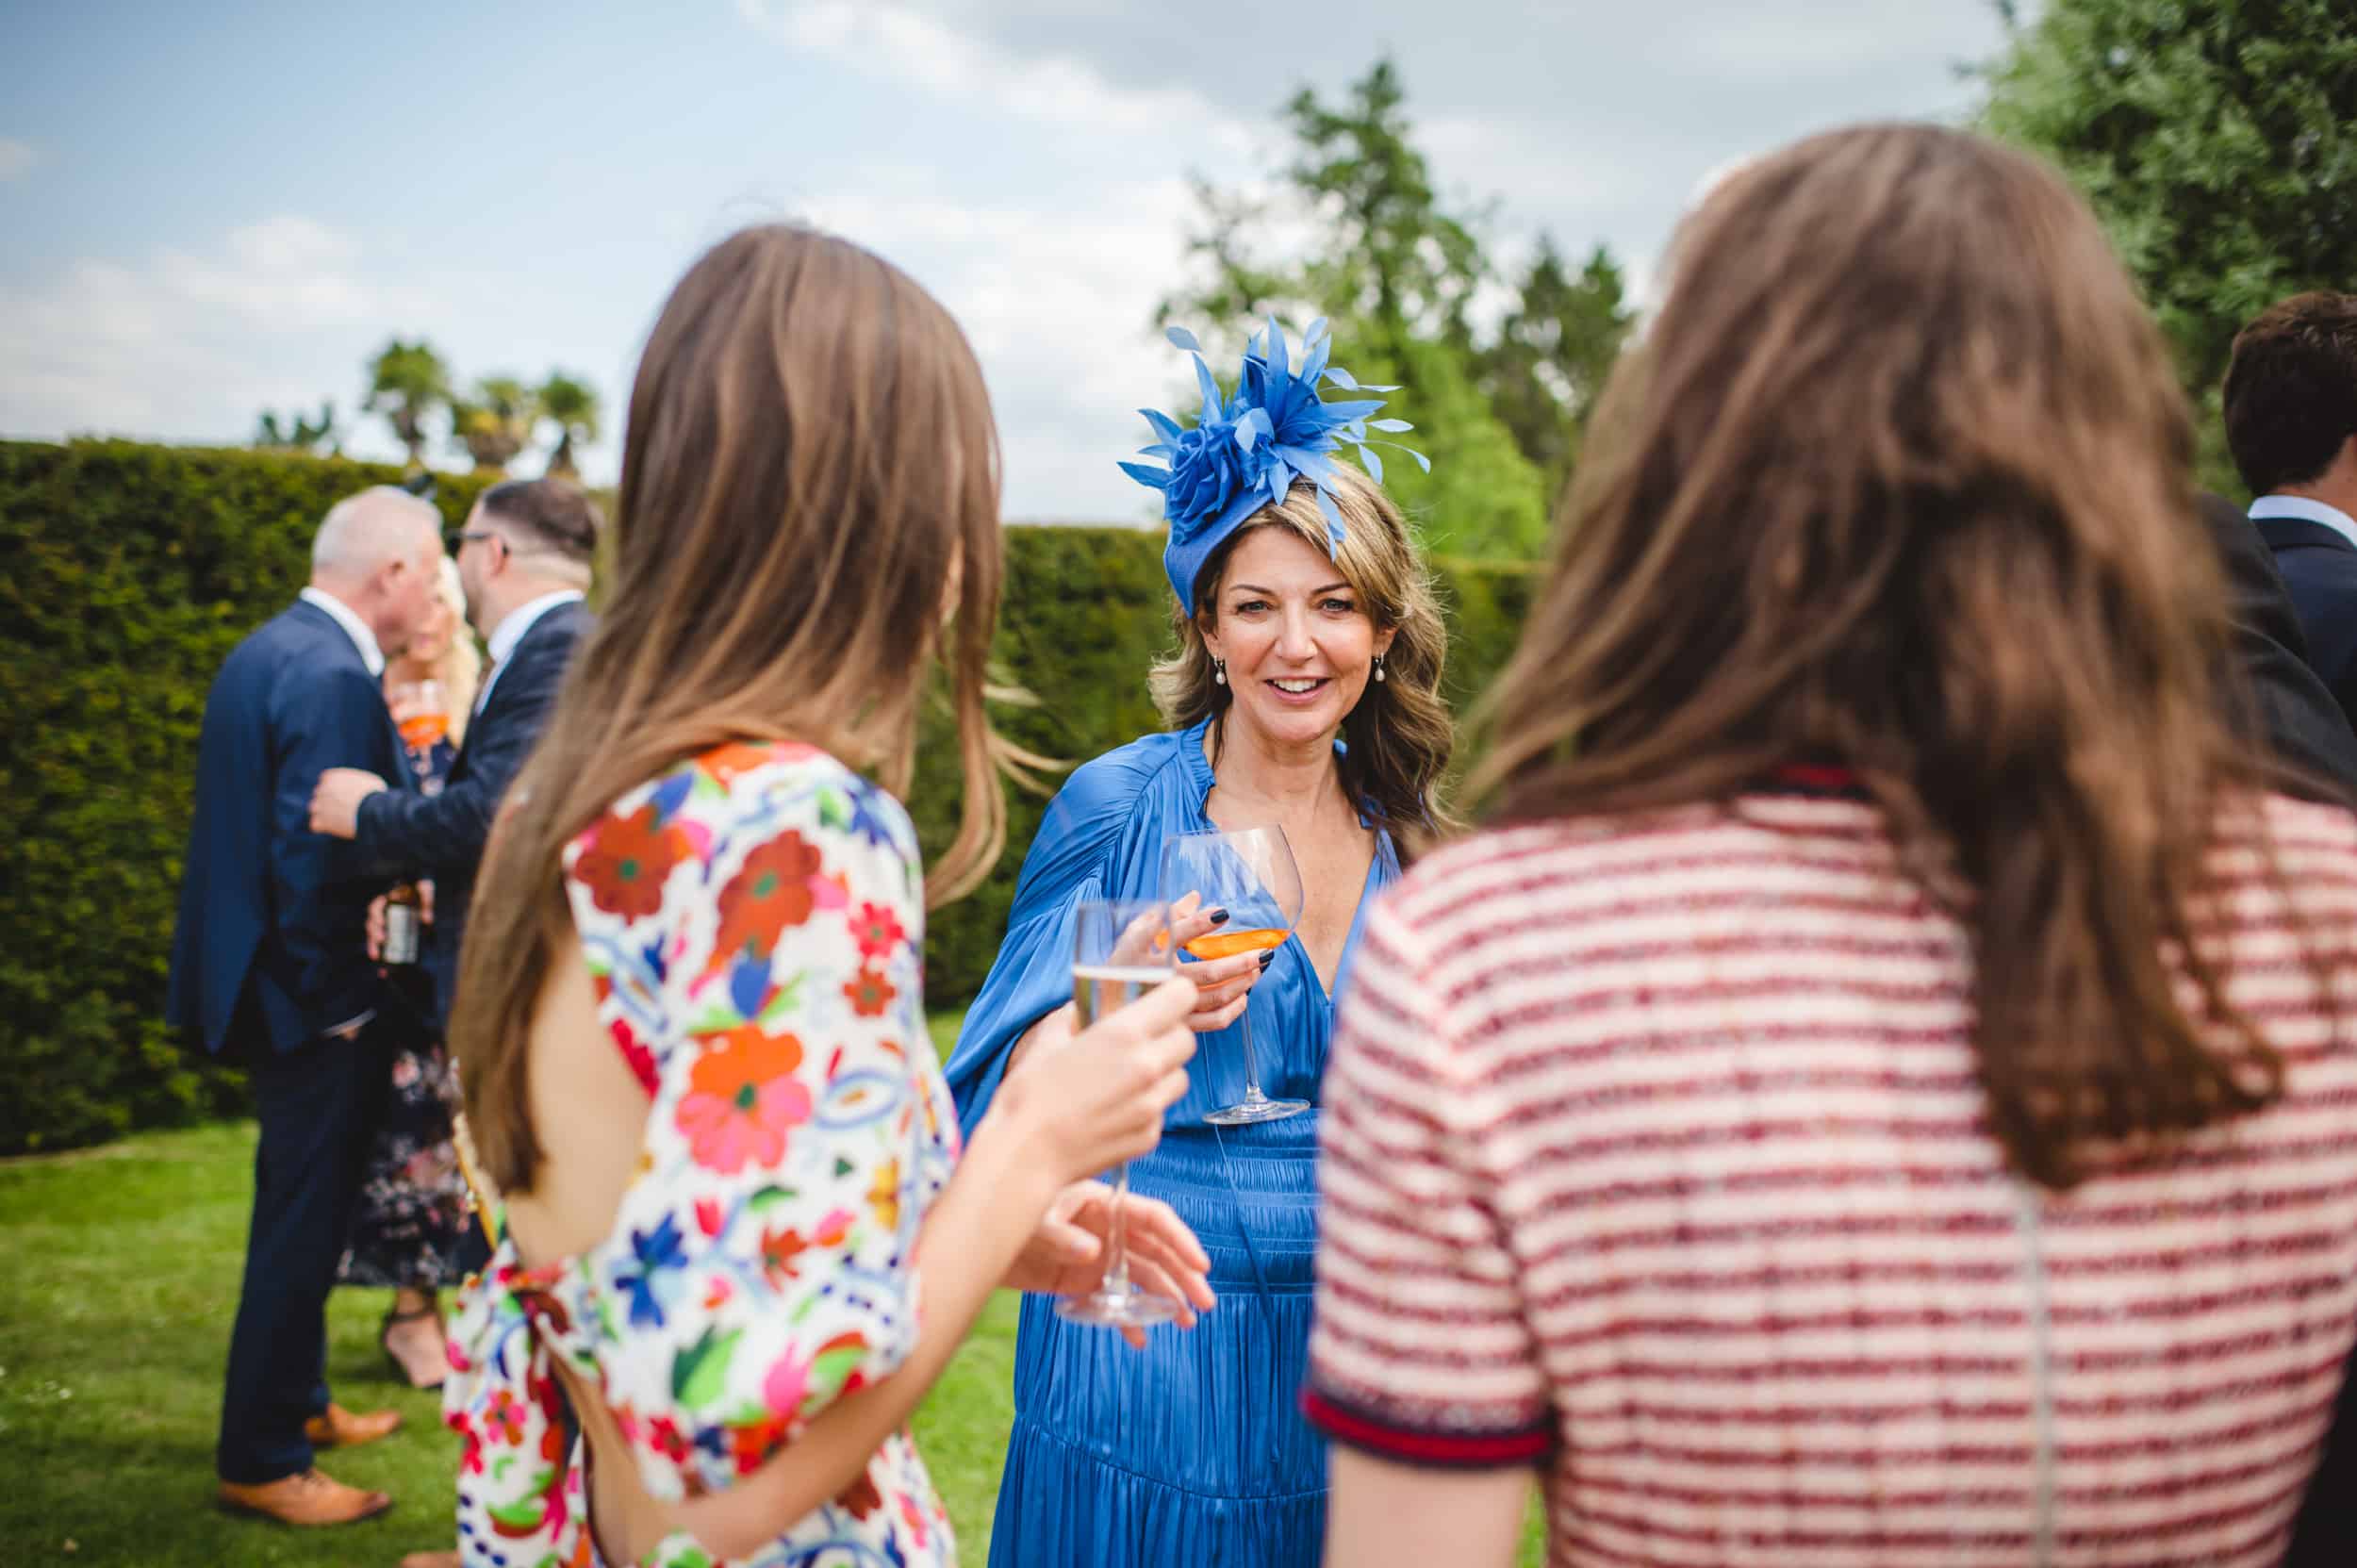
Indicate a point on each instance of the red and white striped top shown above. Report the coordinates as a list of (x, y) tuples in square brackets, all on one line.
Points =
[(1654, 1157)]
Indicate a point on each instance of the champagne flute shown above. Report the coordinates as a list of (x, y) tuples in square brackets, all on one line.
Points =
[(1250, 873), (1121, 949)]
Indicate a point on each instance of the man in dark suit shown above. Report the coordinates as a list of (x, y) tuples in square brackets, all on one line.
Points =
[(2278, 700), (2291, 423), (269, 967), (524, 560)]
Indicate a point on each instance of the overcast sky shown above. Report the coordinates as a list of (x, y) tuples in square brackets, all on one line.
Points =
[(206, 211)]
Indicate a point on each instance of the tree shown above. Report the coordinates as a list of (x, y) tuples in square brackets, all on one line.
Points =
[(407, 382), (2217, 139), (572, 403), (298, 434), (494, 423), (1553, 349), (1395, 270)]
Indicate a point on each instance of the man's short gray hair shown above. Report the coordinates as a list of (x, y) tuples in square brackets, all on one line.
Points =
[(362, 532)]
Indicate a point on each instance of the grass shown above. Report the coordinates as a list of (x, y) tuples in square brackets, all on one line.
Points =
[(122, 1279)]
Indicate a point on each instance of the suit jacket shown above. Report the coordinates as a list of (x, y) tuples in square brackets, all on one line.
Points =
[(442, 835), (2282, 697), (272, 916), (2290, 707), (2319, 570)]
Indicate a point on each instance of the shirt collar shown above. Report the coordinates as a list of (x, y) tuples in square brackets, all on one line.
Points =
[(2307, 509), (339, 612), (510, 630)]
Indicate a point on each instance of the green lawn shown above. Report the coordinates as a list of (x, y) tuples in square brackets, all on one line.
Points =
[(121, 1277)]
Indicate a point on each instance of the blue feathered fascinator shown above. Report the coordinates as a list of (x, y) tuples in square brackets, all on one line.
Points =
[(1244, 450)]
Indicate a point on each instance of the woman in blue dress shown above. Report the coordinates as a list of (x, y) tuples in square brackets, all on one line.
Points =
[(1304, 693)]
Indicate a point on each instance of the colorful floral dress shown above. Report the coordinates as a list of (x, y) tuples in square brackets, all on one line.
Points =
[(752, 921)]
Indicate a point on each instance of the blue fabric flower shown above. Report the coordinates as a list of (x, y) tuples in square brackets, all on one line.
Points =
[(1245, 449)]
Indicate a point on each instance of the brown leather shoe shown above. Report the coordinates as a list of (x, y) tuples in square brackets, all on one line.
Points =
[(340, 1429), (430, 1559), (306, 1499)]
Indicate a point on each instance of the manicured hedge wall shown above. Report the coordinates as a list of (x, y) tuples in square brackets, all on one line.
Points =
[(128, 572)]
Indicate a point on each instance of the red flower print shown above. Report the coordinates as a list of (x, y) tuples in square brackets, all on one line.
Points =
[(708, 1215), (506, 1418), (861, 1497), (624, 862), (743, 1098), (770, 892), (869, 993), (879, 933), (664, 1438), (780, 1250), (752, 1443)]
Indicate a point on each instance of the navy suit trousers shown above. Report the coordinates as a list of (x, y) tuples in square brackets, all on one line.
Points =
[(318, 1107)]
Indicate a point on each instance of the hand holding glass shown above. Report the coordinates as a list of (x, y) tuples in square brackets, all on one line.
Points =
[(1120, 950), (1250, 873)]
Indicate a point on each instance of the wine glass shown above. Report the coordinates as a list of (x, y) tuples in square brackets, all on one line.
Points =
[(423, 717), (1121, 949), (1250, 873)]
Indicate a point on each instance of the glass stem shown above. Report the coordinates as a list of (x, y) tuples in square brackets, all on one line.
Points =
[(1251, 1068), (1117, 1237)]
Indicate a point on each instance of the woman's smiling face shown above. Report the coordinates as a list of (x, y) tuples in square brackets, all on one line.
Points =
[(1298, 642)]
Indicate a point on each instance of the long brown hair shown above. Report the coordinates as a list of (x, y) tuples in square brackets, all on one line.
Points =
[(1900, 477), (810, 472), (1397, 740)]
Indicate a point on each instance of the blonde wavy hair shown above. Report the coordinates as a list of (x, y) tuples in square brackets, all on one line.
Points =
[(1399, 737), (460, 668)]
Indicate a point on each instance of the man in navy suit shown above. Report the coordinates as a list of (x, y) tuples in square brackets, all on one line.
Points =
[(270, 968), (2291, 423), (524, 559)]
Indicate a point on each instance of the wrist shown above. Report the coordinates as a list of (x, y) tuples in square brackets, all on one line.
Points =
[(1005, 1155)]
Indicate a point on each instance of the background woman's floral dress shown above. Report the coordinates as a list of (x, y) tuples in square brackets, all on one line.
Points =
[(752, 921), (412, 1214)]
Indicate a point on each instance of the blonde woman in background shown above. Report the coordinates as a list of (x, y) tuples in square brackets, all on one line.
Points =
[(413, 1209)]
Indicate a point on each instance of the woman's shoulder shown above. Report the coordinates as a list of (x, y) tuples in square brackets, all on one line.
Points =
[(740, 791), (1117, 783)]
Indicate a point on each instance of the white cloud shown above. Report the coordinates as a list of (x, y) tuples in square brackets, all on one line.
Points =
[(932, 54), (1057, 314), (16, 158), (193, 344)]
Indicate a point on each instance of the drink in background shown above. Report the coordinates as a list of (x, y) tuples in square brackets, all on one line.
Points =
[(403, 924)]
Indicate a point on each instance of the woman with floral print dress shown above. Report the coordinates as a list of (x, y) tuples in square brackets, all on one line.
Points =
[(413, 1201), (691, 1022)]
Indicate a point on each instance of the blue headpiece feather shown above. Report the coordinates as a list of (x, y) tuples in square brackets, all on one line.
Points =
[(1244, 450)]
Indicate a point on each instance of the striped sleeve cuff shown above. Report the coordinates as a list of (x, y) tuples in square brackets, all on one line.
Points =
[(1386, 1437)]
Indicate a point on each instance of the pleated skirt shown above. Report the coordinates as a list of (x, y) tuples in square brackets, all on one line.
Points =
[(1192, 1450)]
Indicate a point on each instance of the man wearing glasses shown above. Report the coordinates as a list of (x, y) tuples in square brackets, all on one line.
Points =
[(524, 559)]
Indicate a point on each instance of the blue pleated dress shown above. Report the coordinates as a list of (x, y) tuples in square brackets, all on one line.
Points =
[(1192, 1450)]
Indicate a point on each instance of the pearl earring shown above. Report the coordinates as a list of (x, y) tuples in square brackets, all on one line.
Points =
[(1379, 668), (1219, 672)]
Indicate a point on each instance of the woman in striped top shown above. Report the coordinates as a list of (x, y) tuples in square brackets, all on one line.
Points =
[(1882, 1092)]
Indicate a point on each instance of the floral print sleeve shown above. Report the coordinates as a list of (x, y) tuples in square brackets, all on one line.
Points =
[(751, 922)]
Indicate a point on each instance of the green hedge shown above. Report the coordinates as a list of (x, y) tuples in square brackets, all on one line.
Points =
[(128, 572)]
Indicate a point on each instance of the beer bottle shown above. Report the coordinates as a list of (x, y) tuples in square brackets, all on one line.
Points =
[(403, 923)]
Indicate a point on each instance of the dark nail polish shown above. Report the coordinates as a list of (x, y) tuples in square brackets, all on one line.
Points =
[(1217, 917), (1268, 958)]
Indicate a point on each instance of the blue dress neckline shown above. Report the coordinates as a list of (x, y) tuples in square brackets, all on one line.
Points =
[(1199, 774)]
